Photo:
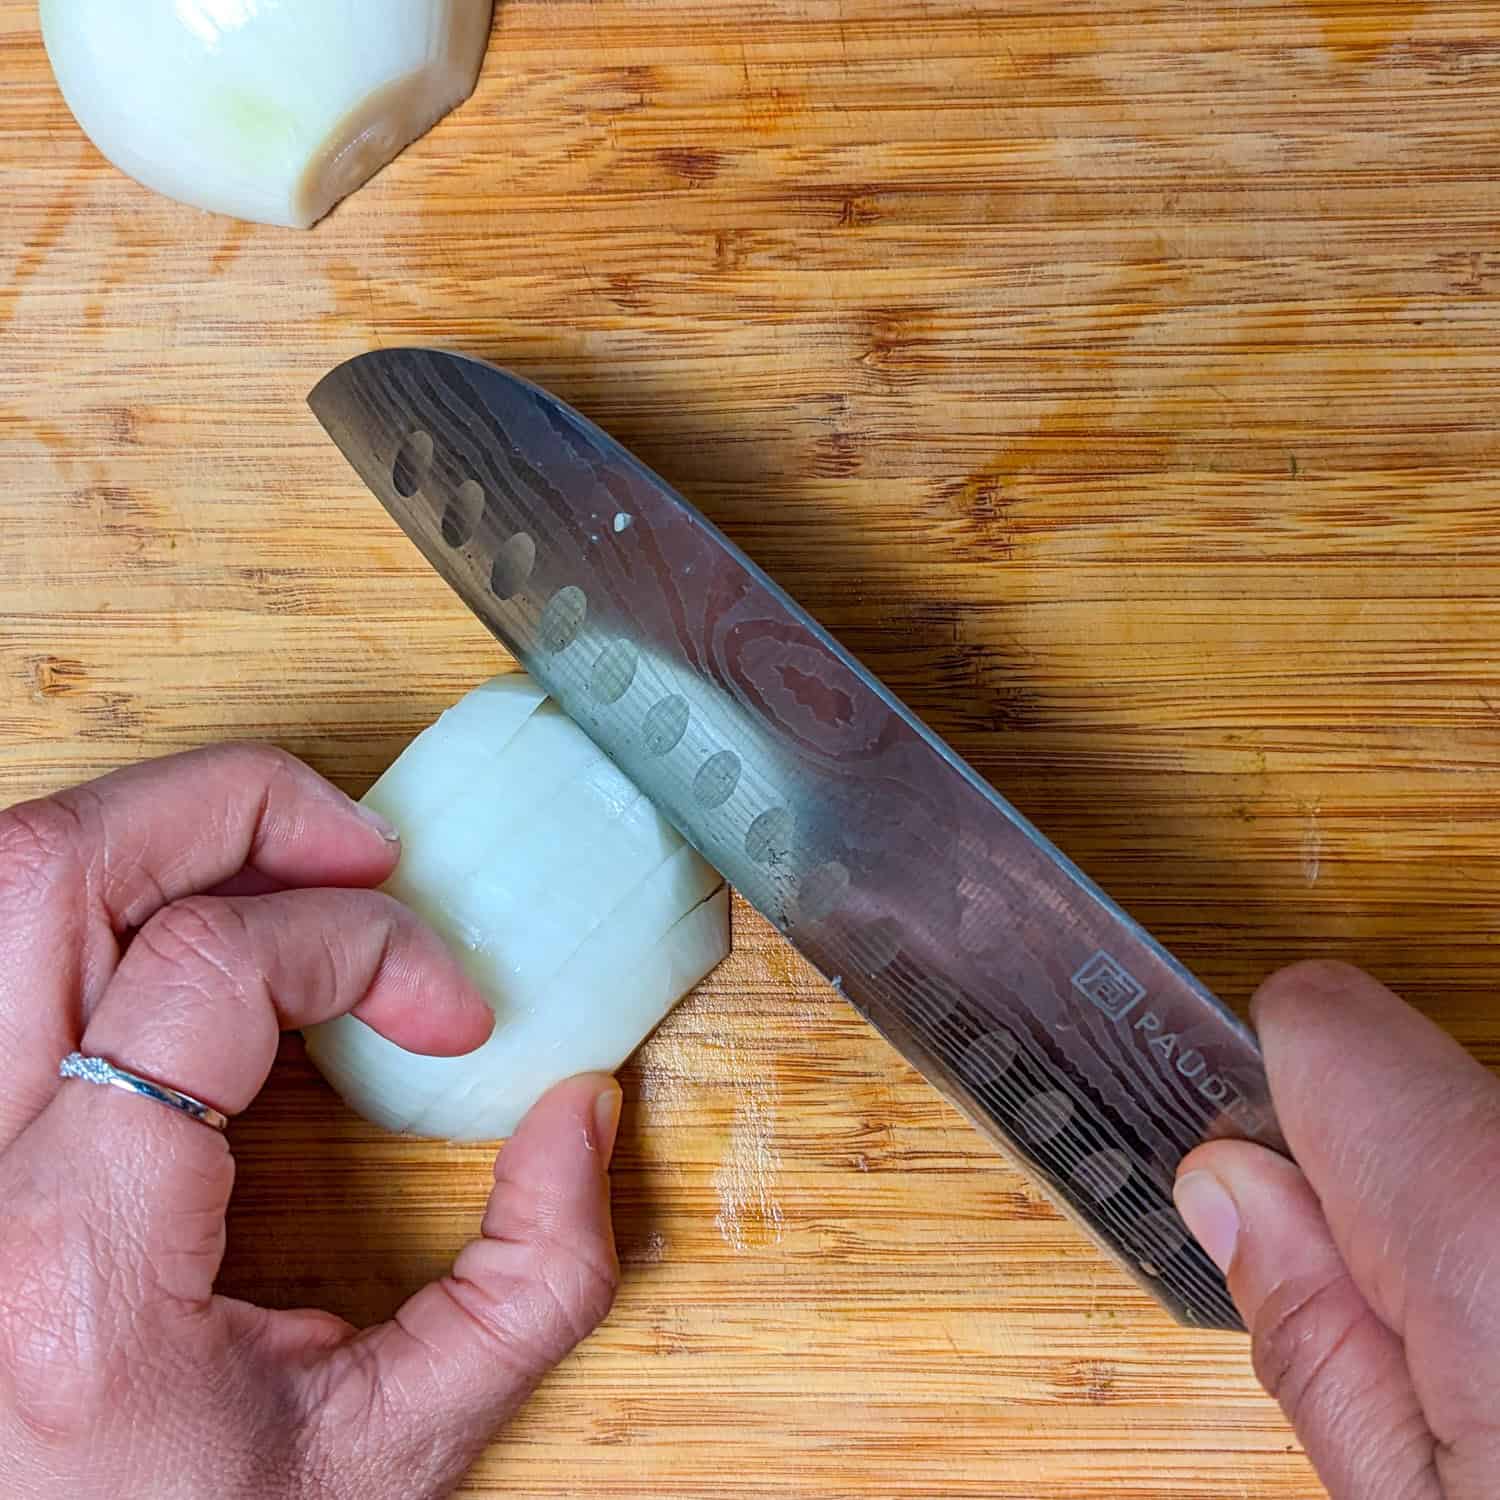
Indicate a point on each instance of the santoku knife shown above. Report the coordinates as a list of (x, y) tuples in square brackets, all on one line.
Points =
[(1057, 1024)]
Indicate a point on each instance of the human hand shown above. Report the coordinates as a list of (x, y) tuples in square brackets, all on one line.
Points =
[(1369, 1273), (173, 918)]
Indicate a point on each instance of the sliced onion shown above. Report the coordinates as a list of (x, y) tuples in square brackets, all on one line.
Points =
[(578, 910), (270, 110)]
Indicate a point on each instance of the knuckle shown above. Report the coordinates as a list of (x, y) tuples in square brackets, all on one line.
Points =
[(38, 846), (255, 758), (569, 1257), (253, 763), (276, 771), (552, 1298), (577, 1280), (584, 1280), (197, 936), (1298, 1335)]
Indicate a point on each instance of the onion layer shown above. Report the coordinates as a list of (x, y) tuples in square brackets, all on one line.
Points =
[(578, 910), (270, 110)]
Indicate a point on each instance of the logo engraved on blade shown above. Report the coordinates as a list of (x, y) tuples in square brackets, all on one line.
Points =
[(1107, 983)]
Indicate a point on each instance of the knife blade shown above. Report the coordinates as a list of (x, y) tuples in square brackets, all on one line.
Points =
[(1054, 1021)]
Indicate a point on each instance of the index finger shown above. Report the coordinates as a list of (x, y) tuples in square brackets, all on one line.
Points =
[(150, 834), (1398, 1130), (81, 869)]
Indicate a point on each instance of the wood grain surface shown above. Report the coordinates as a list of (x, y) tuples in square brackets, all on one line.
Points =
[(1120, 381)]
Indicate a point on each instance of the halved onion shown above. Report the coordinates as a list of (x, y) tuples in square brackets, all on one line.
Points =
[(269, 110), (581, 914)]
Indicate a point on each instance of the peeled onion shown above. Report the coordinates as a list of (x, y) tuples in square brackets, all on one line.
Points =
[(269, 110), (578, 910)]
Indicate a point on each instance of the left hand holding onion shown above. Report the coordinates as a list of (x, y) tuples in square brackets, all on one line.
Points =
[(173, 918)]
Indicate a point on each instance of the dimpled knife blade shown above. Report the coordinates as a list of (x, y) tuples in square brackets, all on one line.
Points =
[(1054, 1021)]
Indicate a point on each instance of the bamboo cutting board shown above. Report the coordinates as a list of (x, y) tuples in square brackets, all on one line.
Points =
[(1119, 381)]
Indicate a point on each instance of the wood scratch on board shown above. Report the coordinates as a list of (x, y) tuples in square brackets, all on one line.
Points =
[(1312, 846), (749, 1210)]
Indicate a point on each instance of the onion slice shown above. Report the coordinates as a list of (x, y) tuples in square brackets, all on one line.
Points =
[(578, 910), (271, 110)]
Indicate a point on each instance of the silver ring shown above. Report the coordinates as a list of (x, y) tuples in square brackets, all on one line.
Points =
[(98, 1070)]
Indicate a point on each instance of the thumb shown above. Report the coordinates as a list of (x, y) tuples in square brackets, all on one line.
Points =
[(420, 1396), (1338, 1372)]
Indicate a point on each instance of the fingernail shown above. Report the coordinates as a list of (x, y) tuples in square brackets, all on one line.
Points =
[(383, 826), (1210, 1213), (607, 1119)]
